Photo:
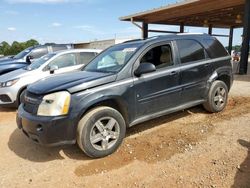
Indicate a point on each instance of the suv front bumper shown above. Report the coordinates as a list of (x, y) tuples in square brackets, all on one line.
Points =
[(48, 131)]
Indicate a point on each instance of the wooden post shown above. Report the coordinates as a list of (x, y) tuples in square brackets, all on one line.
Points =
[(144, 30), (182, 28), (210, 29), (230, 44), (246, 38)]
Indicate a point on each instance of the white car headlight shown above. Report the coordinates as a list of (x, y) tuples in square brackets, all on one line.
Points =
[(55, 104), (8, 83)]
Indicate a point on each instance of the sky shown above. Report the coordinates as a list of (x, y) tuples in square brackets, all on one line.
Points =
[(70, 21)]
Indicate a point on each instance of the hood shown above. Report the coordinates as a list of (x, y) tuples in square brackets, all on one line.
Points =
[(72, 82), (15, 74), (10, 61)]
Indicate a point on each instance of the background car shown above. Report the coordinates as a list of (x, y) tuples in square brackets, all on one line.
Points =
[(13, 84), (27, 56)]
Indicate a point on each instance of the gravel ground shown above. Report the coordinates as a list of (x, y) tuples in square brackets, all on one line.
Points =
[(191, 148)]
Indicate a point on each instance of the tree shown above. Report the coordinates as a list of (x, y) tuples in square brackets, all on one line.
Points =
[(31, 42), (16, 47), (5, 47)]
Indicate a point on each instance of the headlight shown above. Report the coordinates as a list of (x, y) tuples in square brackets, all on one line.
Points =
[(8, 83), (55, 104)]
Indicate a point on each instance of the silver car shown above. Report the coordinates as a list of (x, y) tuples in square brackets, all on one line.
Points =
[(13, 84)]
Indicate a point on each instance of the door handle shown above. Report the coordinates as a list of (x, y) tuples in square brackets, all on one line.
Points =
[(207, 65), (173, 73)]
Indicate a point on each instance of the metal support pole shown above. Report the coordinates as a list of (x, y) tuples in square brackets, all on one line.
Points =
[(246, 38), (230, 44), (182, 28), (144, 30), (210, 29)]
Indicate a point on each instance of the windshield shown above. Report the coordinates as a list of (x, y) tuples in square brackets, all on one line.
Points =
[(37, 63), (23, 53), (113, 59)]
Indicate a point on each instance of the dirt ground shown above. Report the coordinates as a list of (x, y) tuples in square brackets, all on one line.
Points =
[(191, 148)]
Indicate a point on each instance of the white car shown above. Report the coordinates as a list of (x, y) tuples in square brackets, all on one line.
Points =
[(13, 84)]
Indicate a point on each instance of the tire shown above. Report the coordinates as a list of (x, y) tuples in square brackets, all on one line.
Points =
[(217, 97), (100, 132)]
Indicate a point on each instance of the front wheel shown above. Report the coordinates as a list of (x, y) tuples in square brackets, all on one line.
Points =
[(101, 131), (217, 97)]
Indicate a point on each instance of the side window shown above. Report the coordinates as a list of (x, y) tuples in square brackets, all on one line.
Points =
[(39, 52), (190, 50), (63, 61), (83, 58), (160, 56), (215, 48)]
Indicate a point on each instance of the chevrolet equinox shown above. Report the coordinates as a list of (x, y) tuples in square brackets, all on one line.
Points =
[(127, 84)]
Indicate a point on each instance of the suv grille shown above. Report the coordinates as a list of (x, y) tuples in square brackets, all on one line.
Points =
[(32, 102)]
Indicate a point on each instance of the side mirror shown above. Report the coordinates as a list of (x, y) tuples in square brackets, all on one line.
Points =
[(144, 68), (29, 58), (53, 68)]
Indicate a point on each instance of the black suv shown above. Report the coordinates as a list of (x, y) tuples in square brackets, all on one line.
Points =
[(27, 56), (125, 85)]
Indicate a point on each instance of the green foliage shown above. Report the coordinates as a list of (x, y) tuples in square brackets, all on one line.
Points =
[(237, 48), (16, 47)]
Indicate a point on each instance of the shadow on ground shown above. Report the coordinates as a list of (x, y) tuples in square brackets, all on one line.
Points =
[(26, 149), (164, 119), (242, 177), (7, 109)]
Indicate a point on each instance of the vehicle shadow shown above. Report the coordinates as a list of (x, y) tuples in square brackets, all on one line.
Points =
[(7, 109), (242, 177), (26, 149), (165, 119)]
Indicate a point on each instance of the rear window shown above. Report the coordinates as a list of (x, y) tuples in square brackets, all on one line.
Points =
[(190, 50), (215, 48)]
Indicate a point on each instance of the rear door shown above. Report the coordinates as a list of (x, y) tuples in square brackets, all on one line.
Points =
[(195, 70), (157, 91)]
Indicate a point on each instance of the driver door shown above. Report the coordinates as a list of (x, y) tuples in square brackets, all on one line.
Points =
[(160, 90)]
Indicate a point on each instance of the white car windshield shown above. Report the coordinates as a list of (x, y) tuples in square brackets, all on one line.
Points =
[(37, 63)]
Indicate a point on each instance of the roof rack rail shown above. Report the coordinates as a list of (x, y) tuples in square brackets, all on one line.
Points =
[(133, 40), (191, 34)]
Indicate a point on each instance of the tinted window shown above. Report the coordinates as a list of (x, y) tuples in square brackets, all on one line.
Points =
[(160, 56), (65, 60), (215, 48), (83, 58), (39, 52), (190, 50)]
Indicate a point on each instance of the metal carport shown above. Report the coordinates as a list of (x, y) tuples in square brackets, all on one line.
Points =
[(229, 14)]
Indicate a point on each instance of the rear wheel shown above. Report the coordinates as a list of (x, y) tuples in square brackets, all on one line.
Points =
[(101, 131), (217, 97)]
